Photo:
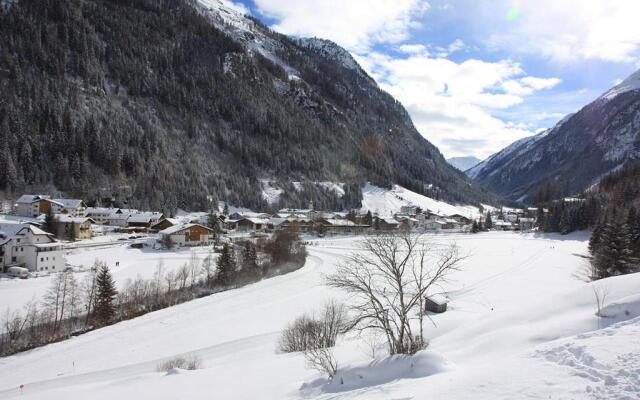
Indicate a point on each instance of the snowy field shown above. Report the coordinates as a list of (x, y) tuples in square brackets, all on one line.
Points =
[(521, 324), (15, 293)]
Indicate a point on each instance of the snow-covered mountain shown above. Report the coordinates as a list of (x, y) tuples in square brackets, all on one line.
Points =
[(574, 154), (463, 163), (216, 94)]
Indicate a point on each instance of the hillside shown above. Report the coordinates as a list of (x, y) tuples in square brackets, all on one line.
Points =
[(573, 155), (178, 103)]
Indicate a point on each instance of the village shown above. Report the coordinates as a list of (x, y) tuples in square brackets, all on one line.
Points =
[(36, 231)]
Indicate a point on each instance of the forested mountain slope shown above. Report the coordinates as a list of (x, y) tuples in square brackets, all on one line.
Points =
[(178, 103), (572, 156)]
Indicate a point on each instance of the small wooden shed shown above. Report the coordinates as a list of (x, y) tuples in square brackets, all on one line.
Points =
[(436, 303)]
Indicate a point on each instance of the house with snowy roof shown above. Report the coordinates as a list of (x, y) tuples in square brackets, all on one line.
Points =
[(34, 205), (188, 235), (30, 247), (72, 228), (73, 207)]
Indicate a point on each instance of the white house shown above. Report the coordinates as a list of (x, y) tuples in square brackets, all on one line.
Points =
[(100, 214), (73, 207), (188, 235), (34, 205), (32, 248)]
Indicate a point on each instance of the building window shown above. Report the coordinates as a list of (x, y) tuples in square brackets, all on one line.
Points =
[(41, 259)]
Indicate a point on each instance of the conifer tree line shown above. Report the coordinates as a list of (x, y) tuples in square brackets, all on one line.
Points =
[(145, 102), (70, 307), (615, 247), (611, 210)]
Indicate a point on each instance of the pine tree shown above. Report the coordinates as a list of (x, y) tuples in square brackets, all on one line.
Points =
[(474, 227), (226, 265), (212, 222), (49, 222), (633, 226), (250, 259), (105, 310), (594, 241), (613, 255), (488, 223), (368, 219)]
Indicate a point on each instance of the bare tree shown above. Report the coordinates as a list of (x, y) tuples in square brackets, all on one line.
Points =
[(89, 289), (182, 276), (208, 268), (315, 337), (194, 269), (61, 292), (387, 281), (158, 276), (319, 355), (600, 293)]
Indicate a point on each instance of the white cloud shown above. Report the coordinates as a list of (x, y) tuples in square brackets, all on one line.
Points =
[(354, 24), (568, 30), (414, 49), (451, 103), (456, 45)]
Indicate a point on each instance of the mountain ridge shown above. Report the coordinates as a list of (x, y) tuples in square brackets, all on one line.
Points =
[(175, 104), (574, 154)]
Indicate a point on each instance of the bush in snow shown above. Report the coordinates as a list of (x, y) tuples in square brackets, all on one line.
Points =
[(188, 362), (315, 337)]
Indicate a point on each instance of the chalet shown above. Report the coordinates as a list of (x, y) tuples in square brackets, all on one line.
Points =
[(73, 207), (34, 205), (72, 228), (189, 235), (407, 222), (434, 225), (526, 224), (460, 218), (299, 224), (386, 224), (304, 213), (118, 217), (32, 248), (252, 224), (275, 222), (164, 224), (503, 225), (436, 303), (100, 214), (139, 221), (336, 226), (409, 210), (230, 223)]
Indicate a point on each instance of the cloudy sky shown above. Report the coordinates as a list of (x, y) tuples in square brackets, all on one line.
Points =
[(476, 75)]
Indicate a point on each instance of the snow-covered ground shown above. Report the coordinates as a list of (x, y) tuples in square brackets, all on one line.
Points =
[(133, 263), (521, 324), (387, 202)]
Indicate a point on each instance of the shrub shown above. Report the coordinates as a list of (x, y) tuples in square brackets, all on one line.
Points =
[(182, 362)]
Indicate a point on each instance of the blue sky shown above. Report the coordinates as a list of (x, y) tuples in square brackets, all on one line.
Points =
[(476, 75)]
